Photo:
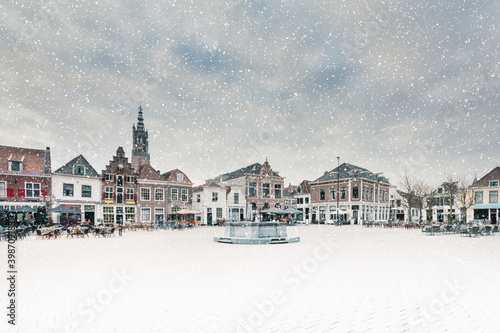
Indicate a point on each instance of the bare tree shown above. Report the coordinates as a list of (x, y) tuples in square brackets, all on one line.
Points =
[(408, 184), (420, 193), (430, 200), (451, 187), (465, 197)]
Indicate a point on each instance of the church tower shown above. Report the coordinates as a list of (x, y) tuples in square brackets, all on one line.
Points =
[(140, 144)]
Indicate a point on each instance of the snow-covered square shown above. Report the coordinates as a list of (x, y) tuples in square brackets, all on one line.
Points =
[(336, 279)]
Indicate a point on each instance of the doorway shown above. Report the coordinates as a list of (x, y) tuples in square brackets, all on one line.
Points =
[(493, 216), (89, 216)]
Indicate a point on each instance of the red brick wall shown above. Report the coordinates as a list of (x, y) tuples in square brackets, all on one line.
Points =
[(16, 186)]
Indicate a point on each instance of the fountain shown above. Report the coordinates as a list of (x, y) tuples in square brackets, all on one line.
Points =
[(247, 232)]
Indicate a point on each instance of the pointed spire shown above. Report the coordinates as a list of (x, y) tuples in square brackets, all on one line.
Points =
[(140, 119), (475, 178)]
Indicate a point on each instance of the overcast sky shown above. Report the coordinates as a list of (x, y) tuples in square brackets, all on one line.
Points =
[(388, 86)]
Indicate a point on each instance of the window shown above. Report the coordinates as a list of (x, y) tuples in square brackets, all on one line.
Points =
[(108, 214), (145, 214), (145, 194), (306, 200), (86, 191), (108, 192), (32, 190), (174, 194), (342, 193), (219, 213), (322, 195), (184, 195), (179, 177), (109, 178), (130, 179), (493, 196), (159, 214), (119, 195), (79, 170), (371, 194), (159, 194), (332, 194), (479, 197), (214, 197), (277, 190), (198, 198), (15, 166), (252, 189), (130, 214), (265, 190), (236, 198), (494, 183), (355, 192), (119, 181), (3, 189), (130, 194)]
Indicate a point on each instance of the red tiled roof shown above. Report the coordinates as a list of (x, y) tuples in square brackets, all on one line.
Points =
[(33, 160), (492, 175), (171, 176), (148, 172)]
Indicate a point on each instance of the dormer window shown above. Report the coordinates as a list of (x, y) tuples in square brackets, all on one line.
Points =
[(494, 183), (79, 170), (16, 166)]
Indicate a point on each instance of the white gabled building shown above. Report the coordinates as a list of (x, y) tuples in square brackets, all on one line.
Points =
[(441, 210), (302, 197), (210, 200), (236, 202), (486, 205), (77, 185)]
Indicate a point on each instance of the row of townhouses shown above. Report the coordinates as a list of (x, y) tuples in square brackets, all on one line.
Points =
[(134, 191)]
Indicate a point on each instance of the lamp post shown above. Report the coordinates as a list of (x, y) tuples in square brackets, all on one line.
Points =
[(338, 189)]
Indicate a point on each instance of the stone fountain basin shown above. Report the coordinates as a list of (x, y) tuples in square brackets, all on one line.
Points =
[(256, 233)]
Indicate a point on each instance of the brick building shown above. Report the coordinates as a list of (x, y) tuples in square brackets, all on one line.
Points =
[(119, 190), (360, 194), (25, 180), (151, 191), (179, 191)]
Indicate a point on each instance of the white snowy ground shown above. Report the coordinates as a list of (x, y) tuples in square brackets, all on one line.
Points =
[(337, 279)]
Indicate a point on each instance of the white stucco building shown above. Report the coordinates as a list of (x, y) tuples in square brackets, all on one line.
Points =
[(77, 185), (210, 200)]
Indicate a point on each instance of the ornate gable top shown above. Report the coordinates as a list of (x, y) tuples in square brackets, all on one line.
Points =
[(266, 169)]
